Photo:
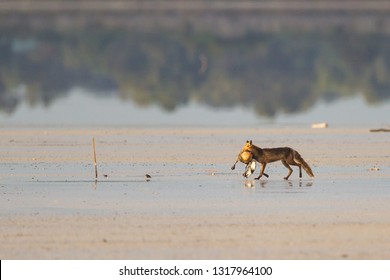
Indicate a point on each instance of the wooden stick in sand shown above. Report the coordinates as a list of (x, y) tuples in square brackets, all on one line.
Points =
[(94, 157)]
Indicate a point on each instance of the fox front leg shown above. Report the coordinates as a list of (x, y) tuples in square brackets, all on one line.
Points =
[(262, 167)]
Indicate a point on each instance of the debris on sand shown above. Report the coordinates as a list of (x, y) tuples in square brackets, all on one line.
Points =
[(374, 169), (380, 130), (319, 125), (148, 177), (94, 157)]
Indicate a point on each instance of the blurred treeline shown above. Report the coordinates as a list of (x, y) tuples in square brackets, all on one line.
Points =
[(270, 72)]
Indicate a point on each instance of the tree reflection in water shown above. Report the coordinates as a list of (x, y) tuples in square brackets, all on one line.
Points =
[(268, 72)]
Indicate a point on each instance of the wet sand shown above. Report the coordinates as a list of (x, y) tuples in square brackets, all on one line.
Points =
[(194, 206)]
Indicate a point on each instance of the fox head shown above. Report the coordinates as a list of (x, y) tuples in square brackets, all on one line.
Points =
[(247, 146)]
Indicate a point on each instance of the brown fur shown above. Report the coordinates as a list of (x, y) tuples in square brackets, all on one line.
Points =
[(287, 155)]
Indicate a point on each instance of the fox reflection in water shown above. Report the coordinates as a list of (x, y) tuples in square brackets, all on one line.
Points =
[(252, 183)]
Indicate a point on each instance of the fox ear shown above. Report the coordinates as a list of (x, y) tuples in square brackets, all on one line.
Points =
[(250, 142), (247, 141)]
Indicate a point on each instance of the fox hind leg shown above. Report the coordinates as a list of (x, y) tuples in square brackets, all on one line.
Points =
[(289, 169), (294, 161), (299, 166), (298, 160)]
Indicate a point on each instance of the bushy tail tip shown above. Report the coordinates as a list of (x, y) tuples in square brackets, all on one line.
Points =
[(304, 164)]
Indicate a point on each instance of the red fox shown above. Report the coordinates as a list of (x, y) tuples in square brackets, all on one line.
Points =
[(287, 155)]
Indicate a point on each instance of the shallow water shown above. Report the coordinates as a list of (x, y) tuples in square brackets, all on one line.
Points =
[(49, 171), (193, 190)]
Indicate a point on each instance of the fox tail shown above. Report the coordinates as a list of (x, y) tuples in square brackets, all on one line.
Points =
[(298, 158)]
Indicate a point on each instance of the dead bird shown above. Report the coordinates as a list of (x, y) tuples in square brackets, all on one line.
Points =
[(246, 157), (250, 168)]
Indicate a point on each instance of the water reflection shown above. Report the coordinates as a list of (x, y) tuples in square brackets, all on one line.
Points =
[(269, 72), (248, 183)]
